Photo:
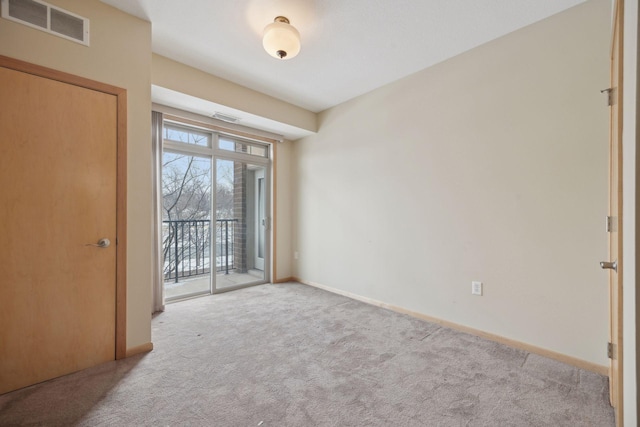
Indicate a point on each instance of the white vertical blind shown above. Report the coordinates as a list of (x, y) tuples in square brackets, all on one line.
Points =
[(158, 273)]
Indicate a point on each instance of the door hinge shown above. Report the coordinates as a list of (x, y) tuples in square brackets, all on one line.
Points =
[(609, 92), (608, 225), (610, 350)]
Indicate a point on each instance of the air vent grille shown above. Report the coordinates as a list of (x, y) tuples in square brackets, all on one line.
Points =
[(45, 17), (225, 117), (28, 11)]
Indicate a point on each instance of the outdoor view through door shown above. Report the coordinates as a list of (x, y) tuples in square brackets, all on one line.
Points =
[(204, 231), (240, 232)]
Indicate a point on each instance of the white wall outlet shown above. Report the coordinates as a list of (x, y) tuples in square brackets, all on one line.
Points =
[(476, 288), (296, 255)]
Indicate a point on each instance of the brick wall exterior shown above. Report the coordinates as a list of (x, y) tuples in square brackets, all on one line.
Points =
[(240, 215)]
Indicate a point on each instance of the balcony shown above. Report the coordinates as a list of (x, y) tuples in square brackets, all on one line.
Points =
[(188, 259)]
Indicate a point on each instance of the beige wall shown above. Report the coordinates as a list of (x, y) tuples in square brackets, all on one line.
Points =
[(491, 166), (181, 78), (283, 206), (120, 55)]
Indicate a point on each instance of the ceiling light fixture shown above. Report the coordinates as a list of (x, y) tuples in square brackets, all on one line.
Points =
[(280, 39)]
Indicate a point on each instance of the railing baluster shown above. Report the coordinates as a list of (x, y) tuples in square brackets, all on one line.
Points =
[(226, 246), (182, 246), (176, 255), (176, 249), (197, 251)]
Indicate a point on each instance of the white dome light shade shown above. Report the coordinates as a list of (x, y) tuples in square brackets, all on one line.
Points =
[(280, 39)]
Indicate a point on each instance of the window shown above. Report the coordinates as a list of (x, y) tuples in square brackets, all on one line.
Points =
[(184, 135), (241, 146), (215, 206)]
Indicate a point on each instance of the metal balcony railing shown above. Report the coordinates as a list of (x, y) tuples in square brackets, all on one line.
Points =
[(186, 247)]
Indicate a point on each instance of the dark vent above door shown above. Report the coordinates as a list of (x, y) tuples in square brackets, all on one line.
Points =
[(46, 17)]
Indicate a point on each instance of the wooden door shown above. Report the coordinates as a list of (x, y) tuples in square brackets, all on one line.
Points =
[(615, 213), (58, 174)]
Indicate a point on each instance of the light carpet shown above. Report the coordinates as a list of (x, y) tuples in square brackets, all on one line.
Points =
[(293, 355)]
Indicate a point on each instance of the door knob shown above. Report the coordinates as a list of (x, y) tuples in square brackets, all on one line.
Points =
[(609, 265), (102, 243)]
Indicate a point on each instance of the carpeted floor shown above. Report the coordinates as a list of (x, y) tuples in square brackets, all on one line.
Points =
[(292, 355)]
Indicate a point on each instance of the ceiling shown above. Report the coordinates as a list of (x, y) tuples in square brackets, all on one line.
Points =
[(349, 47)]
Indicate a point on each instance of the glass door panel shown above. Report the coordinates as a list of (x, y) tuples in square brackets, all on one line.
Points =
[(261, 218), (241, 223), (186, 225)]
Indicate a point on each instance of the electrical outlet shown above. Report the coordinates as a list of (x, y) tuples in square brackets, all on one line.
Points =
[(296, 255), (476, 288)]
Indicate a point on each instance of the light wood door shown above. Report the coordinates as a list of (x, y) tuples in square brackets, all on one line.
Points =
[(615, 213), (58, 165)]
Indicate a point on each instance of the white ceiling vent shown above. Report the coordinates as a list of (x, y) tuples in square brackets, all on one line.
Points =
[(51, 19), (225, 117)]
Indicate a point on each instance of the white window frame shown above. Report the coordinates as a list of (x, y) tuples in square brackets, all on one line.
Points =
[(214, 152)]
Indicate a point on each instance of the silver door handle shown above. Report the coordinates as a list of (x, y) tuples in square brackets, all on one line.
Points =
[(609, 265), (102, 243)]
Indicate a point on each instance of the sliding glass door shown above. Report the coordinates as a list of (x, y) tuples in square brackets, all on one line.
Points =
[(241, 223), (223, 231)]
